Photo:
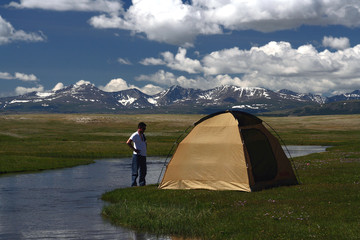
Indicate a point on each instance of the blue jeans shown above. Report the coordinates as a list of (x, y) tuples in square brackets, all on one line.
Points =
[(138, 167)]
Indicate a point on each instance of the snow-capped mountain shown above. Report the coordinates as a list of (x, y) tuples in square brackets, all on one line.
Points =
[(131, 98), (86, 98), (175, 95), (287, 94), (345, 97)]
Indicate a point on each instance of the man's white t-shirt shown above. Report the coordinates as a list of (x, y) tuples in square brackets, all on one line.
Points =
[(139, 143)]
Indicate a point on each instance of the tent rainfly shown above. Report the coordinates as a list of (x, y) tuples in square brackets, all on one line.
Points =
[(229, 150)]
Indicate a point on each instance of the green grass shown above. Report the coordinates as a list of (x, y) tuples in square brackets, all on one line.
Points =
[(46, 141), (325, 206), (9, 163), (299, 212)]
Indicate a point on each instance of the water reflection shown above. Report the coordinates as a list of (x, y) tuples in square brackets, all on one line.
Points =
[(66, 204), (297, 151)]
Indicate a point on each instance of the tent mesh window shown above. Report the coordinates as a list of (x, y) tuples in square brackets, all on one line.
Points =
[(262, 159)]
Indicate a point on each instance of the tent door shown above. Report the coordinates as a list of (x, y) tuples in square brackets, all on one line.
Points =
[(262, 159)]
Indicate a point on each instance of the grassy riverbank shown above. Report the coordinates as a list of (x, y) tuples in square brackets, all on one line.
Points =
[(32, 142), (325, 206)]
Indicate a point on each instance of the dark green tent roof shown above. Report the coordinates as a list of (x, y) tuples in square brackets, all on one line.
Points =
[(243, 118)]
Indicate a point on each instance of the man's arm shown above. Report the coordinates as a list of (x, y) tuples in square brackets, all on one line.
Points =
[(129, 143)]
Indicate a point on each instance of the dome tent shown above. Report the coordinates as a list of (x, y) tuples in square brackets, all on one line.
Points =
[(228, 150)]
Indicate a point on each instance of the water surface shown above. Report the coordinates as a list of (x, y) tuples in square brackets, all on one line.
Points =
[(302, 150), (65, 203)]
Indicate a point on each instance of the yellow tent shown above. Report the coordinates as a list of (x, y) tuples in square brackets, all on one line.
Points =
[(230, 150)]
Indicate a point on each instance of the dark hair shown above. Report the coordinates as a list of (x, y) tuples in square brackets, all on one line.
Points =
[(141, 125)]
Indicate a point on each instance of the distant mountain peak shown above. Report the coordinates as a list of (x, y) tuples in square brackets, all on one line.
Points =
[(173, 87), (286, 91), (85, 97)]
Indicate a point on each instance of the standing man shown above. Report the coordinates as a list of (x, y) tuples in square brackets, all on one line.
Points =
[(137, 142)]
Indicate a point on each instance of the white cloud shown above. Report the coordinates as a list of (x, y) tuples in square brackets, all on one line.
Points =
[(336, 43), (23, 90), (8, 34), (82, 82), (19, 76), (280, 59), (276, 65), (116, 85), (5, 75), (66, 5), (124, 61), (152, 61), (161, 77), (168, 79), (176, 62), (151, 89), (120, 84), (178, 23), (168, 21), (58, 86), (25, 77), (228, 80)]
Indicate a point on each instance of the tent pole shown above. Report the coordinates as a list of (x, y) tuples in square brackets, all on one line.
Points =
[(168, 155)]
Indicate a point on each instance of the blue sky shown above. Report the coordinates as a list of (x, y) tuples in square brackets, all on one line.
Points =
[(305, 46)]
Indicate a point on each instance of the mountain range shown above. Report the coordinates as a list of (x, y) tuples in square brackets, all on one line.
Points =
[(86, 98)]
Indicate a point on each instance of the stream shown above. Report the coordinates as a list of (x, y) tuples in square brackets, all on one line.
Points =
[(66, 204)]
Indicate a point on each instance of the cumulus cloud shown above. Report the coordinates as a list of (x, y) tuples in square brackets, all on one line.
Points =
[(116, 85), (19, 76), (120, 84), (275, 65), (281, 59), (25, 77), (9, 34), (82, 82), (151, 89), (178, 23), (169, 21), (24, 90), (168, 79), (58, 86), (161, 77), (336, 43), (66, 5), (152, 61), (6, 75), (176, 62)]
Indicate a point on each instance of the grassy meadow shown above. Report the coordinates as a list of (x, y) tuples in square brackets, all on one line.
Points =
[(46, 141), (326, 205)]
